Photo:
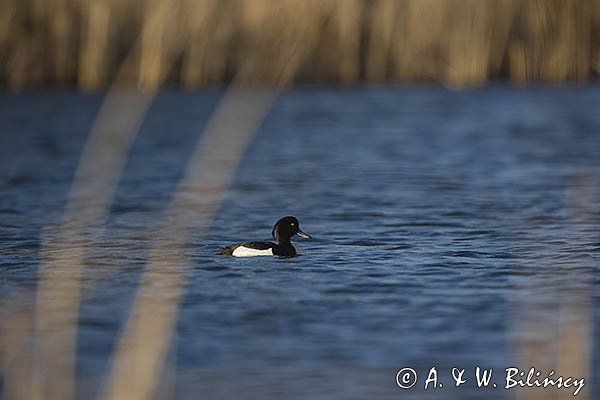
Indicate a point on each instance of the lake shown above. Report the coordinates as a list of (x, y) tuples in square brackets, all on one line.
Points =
[(450, 228)]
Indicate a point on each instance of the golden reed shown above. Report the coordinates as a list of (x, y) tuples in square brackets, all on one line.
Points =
[(195, 43)]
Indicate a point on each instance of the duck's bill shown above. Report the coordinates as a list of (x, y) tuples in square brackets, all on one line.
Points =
[(302, 234)]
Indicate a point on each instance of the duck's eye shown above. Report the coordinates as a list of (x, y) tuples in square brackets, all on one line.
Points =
[(292, 224)]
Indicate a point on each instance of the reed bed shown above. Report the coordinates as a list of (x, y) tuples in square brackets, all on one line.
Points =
[(194, 43)]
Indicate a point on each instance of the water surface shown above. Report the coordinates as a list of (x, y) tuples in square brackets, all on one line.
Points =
[(439, 219)]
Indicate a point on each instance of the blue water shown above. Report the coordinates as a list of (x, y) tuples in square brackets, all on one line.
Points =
[(439, 219)]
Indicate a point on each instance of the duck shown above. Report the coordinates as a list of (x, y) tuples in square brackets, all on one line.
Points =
[(283, 230)]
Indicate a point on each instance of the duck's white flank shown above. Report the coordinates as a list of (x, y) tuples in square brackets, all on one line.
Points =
[(242, 251)]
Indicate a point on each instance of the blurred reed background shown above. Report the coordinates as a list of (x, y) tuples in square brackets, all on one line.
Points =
[(193, 43)]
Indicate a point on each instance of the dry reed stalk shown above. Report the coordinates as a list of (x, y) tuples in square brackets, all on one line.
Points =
[(558, 336), (469, 26), (503, 12), (39, 45), (62, 16), (417, 50), (141, 352), (89, 200), (160, 42), (15, 355), (582, 38), (210, 28), (381, 27), (321, 64), (535, 347), (8, 14), (575, 343), (58, 294), (17, 67), (345, 53), (595, 33), (94, 62), (16, 46), (256, 40), (576, 335), (535, 344)]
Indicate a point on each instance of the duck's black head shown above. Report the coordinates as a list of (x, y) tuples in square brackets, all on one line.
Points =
[(287, 227)]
